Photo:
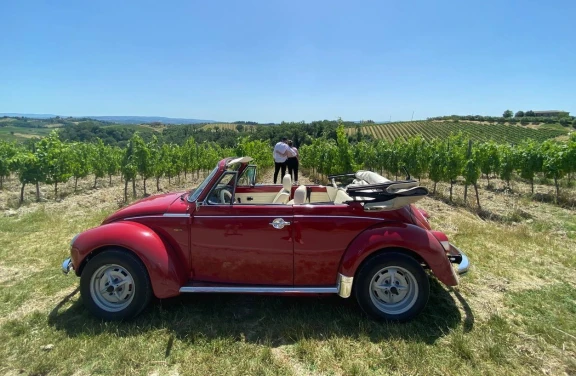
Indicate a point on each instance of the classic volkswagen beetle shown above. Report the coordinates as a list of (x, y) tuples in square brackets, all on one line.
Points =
[(230, 235)]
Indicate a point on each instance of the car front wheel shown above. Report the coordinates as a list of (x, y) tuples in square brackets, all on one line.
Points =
[(392, 286), (115, 286)]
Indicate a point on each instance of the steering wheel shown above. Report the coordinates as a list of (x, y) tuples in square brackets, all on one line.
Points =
[(225, 194)]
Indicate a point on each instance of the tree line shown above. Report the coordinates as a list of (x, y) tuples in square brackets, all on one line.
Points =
[(520, 117)]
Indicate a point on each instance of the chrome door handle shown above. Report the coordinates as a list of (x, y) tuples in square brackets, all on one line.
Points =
[(279, 223)]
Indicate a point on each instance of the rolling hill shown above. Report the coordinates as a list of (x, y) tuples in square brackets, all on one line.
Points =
[(118, 119), (442, 129)]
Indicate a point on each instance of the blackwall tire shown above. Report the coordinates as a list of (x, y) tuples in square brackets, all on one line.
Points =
[(114, 285), (392, 286)]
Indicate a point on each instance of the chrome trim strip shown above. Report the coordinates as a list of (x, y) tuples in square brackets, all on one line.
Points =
[(256, 289), (287, 215), (167, 215), (143, 216), (344, 285), (67, 265), (242, 216), (336, 216)]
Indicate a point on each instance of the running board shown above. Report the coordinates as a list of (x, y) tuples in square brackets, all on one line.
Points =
[(257, 289), (343, 288)]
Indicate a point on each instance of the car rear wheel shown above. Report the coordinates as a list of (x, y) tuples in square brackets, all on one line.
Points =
[(115, 286), (392, 286)]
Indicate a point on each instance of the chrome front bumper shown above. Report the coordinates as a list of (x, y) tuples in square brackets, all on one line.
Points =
[(67, 265), (460, 259)]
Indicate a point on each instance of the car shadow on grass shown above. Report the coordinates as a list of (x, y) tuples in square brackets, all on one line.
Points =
[(269, 320)]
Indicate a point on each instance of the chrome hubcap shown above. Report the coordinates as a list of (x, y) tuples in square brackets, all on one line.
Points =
[(112, 288), (393, 290)]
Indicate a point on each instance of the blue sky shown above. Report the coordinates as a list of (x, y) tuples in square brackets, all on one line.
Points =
[(291, 60)]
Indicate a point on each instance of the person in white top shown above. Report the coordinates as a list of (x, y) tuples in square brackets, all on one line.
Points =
[(281, 153)]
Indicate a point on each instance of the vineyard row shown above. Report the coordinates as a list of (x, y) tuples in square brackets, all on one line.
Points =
[(53, 161)]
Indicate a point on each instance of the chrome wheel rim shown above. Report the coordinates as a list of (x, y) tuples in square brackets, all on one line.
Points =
[(393, 290), (112, 288)]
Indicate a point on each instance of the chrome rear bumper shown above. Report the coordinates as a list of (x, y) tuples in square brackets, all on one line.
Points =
[(67, 265), (461, 259), (464, 264)]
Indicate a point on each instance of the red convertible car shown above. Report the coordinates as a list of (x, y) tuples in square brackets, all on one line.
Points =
[(230, 235)]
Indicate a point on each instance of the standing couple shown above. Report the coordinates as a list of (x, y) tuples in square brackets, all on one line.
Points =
[(285, 155)]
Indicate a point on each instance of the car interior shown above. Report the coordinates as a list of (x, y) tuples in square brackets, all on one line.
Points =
[(375, 191)]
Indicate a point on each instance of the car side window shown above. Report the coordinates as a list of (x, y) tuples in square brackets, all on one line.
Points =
[(223, 191), (248, 178)]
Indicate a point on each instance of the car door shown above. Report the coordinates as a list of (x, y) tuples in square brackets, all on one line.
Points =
[(243, 244)]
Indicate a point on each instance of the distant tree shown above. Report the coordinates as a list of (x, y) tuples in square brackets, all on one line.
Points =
[(129, 169), (529, 161), (574, 123), (507, 162), (344, 162), (471, 172), (29, 170), (239, 127), (55, 160), (487, 155), (455, 159), (7, 152), (530, 113), (519, 114), (556, 162), (80, 161), (437, 162), (143, 157), (507, 114), (98, 160)]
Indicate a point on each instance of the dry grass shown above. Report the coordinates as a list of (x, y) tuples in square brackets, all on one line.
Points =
[(514, 314)]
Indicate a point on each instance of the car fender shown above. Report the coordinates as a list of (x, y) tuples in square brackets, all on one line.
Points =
[(167, 275), (394, 236)]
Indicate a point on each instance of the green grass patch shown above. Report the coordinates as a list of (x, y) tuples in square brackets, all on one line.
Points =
[(548, 312)]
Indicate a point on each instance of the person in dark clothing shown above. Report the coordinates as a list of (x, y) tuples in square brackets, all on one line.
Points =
[(292, 163), (281, 153)]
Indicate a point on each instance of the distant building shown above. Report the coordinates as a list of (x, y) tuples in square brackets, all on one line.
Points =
[(552, 113)]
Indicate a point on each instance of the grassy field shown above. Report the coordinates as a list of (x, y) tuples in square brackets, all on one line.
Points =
[(514, 314), (11, 133), (474, 130)]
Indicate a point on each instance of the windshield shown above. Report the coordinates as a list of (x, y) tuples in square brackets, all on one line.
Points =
[(198, 191)]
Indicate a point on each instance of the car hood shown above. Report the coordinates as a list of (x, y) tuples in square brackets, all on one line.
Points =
[(153, 205)]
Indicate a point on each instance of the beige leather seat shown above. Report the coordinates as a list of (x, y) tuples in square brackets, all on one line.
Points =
[(284, 195), (299, 196), (342, 197)]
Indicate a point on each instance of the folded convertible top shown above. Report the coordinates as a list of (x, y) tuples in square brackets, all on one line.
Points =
[(379, 193)]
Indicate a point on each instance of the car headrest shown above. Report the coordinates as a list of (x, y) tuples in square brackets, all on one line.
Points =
[(300, 195), (287, 182)]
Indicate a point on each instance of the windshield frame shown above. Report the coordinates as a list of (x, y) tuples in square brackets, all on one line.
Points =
[(193, 196)]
